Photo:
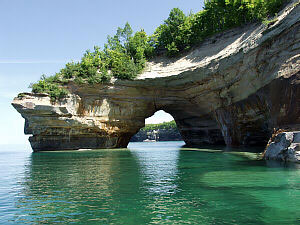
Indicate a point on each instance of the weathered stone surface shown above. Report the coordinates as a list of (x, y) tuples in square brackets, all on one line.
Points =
[(297, 137), (285, 147), (234, 88)]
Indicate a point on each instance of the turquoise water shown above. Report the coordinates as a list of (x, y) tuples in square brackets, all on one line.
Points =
[(149, 183)]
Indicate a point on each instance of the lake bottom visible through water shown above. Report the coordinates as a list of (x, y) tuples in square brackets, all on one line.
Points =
[(148, 183)]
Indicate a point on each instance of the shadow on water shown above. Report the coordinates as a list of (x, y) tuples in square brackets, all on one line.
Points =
[(232, 188), (155, 183)]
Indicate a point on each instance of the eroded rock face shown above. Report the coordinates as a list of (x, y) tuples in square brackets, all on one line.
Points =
[(80, 122), (235, 89), (284, 147)]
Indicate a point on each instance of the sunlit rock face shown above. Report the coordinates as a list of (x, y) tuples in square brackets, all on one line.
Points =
[(85, 120), (233, 89)]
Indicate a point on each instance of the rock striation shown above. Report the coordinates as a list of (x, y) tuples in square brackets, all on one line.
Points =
[(233, 89)]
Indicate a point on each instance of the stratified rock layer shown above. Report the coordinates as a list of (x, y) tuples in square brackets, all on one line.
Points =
[(235, 89)]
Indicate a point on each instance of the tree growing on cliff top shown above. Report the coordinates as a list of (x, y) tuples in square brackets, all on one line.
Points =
[(125, 54), (123, 57), (169, 34)]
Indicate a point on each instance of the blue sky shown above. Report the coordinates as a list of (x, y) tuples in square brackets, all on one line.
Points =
[(40, 36)]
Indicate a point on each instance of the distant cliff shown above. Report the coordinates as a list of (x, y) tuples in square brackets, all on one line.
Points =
[(166, 131)]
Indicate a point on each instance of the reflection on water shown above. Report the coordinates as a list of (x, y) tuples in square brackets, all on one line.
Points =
[(149, 183), (158, 170), (158, 167), (76, 186)]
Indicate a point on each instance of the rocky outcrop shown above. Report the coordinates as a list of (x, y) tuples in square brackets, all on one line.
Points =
[(234, 88), (284, 147)]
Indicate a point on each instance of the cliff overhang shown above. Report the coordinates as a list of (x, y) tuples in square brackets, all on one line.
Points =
[(234, 89)]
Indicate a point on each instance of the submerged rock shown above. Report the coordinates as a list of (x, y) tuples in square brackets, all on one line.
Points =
[(285, 147), (233, 89)]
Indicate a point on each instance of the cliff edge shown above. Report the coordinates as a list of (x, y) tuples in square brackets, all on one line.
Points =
[(234, 89)]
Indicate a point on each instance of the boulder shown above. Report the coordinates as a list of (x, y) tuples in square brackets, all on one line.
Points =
[(285, 147)]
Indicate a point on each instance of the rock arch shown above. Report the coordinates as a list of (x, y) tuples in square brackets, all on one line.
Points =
[(234, 88)]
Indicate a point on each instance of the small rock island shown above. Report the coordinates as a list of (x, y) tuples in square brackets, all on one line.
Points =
[(240, 87)]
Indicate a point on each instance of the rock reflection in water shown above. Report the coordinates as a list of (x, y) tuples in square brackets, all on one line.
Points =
[(158, 168)]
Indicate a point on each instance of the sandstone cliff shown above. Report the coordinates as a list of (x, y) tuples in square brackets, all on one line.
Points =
[(234, 88)]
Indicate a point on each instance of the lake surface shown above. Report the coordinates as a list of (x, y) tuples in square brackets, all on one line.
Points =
[(148, 183)]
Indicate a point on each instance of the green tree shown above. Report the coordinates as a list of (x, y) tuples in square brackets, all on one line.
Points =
[(125, 54), (170, 36)]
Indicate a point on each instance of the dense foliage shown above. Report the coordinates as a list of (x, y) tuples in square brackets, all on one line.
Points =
[(180, 32), (166, 131), (125, 54), (51, 86), (123, 57), (160, 126)]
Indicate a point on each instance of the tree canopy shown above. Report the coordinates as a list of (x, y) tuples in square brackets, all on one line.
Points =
[(160, 126), (125, 54)]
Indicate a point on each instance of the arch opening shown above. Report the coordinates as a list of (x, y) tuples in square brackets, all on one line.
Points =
[(161, 126)]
